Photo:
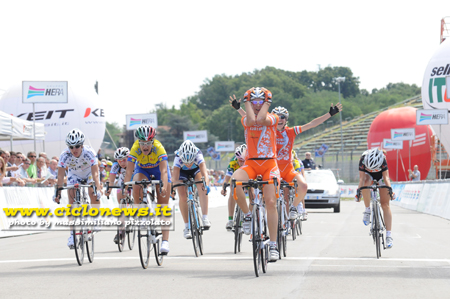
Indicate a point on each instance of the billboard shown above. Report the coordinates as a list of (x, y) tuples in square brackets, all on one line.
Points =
[(432, 117), (403, 134), (389, 144), (224, 146), (135, 120), (196, 136), (44, 92)]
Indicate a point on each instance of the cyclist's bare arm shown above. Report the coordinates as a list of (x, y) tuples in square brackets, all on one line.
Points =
[(164, 177), (202, 167), (129, 172), (95, 177), (386, 179), (263, 118), (112, 178)]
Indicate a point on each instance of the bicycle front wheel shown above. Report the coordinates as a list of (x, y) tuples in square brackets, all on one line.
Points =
[(121, 235), (144, 242), (377, 234), (78, 242), (237, 232), (89, 239), (131, 232), (194, 229), (256, 241)]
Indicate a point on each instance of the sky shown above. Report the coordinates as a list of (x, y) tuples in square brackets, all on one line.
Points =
[(147, 52)]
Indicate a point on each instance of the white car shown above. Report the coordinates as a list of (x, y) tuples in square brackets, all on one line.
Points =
[(323, 190)]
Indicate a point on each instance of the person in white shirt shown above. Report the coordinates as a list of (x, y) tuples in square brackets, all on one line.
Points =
[(414, 175)]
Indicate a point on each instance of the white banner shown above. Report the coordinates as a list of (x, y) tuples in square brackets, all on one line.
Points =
[(403, 134), (432, 117), (388, 143), (135, 120), (196, 136), (44, 92), (225, 146)]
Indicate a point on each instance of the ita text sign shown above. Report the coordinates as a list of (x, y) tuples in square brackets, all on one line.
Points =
[(44, 92), (196, 136), (388, 143), (136, 120), (432, 117), (225, 146), (403, 134)]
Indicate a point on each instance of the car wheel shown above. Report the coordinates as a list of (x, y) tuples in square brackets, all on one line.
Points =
[(337, 208)]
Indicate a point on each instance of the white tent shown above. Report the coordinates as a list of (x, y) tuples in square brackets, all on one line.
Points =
[(14, 128)]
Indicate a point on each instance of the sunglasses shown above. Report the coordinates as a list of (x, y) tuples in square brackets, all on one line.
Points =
[(149, 143), (76, 146), (281, 116), (27, 163), (31, 156), (258, 102)]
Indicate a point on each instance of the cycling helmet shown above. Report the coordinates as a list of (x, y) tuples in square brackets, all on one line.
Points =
[(281, 111), (373, 159), (75, 137), (187, 152), (145, 133), (121, 153), (258, 93), (239, 150)]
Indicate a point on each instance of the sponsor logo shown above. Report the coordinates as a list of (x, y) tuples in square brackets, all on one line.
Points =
[(425, 117), (219, 146), (97, 112), (438, 83), (27, 128), (33, 92), (144, 121), (402, 134), (41, 115)]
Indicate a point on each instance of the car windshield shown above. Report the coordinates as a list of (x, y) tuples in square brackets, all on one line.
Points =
[(320, 177)]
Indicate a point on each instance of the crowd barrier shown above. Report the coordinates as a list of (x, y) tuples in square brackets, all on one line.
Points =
[(430, 197)]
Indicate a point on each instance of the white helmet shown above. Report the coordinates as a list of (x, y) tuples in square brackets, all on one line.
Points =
[(187, 152), (240, 149), (121, 152), (281, 111), (75, 137), (257, 93), (373, 159)]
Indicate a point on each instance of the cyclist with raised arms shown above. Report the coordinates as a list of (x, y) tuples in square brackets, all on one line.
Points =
[(82, 164), (235, 163), (117, 175), (285, 144), (260, 137), (189, 162), (148, 158), (373, 166)]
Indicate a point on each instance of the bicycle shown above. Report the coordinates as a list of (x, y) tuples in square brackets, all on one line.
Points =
[(194, 214), (148, 237), (82, 230), (125, 230), (238, 218), (377, 226), (295, 225), (259, 232)]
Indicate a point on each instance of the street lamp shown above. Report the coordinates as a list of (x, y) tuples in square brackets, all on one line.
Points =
[(339, 80)]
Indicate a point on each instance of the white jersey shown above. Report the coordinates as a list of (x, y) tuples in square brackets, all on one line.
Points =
[(197, 161), (78, 168), (119, 172)]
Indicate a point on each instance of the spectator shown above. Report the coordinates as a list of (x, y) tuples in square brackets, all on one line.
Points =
[(102, 172), (55, 158), (47, 162), (41, 170), (414, 175), (32, 169), (9, 167), (23, 174), (4, 178), (108, 169), (53, 168), (309, 162), (99, 154), (18, 159), (42, 154), (12, 158)]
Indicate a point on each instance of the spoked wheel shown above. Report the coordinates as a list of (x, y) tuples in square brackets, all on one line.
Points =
[(299, 227), (157, 247), (256, 242), (237, 233), (144, 243), (377, 235), (279, 232), (89, 239), (194, 230), (131, 232), (265, 258), (284, 239), (78, 242), (293, 224), (121, 235)]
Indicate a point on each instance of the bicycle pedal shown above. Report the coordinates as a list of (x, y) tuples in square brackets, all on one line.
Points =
[(163, 253)]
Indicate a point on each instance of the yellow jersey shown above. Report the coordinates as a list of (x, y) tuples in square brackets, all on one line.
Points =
[(157, 154)]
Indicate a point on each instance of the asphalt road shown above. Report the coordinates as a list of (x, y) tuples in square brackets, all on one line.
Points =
[(334, 258)]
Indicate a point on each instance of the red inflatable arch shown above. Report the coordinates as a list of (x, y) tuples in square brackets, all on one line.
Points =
[(420, 147)]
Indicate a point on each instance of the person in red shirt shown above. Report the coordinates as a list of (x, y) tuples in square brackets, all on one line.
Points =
[(285, 144), (260, 137)]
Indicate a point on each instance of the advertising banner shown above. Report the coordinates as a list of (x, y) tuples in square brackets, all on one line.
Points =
[(322, 150), (389, 144), (224, 146), (135, 120), (196, 136), (212, 152), (432, 117), (403, 134), (44, 92)]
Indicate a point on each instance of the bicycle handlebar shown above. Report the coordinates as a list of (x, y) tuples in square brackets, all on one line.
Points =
[(253, 184), (290, 185)]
